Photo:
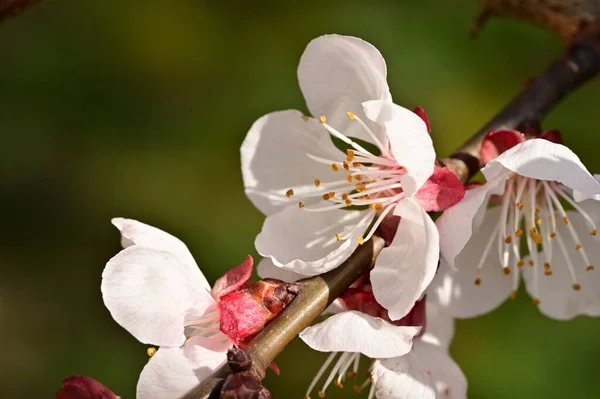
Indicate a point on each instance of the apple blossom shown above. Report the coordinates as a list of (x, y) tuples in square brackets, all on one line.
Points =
[(154, 289), (322, 202), (404, 367), (531, 181), (360, 325), (427, 371)]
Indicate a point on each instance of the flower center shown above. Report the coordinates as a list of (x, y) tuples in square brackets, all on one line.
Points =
[(339, 374), (530, 212), (371, 181), (206, 325)]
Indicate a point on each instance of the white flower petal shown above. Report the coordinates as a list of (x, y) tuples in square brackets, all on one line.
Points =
[(148, 293), (274, 158), (454, 290), (206, 354), (427, 372), (167, 375), (544, 160), (336, 75), (410, 141), (137, 233), (354, 331), (305, 242), (404, 269), (266, 269), (440, 326), (579, 196), (457, 223), (558, 298), (337, 306)]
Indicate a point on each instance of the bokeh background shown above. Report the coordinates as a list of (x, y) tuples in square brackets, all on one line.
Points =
[(138, 109)]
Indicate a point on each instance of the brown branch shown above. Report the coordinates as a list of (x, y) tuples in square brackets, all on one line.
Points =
[(314, 296), (566, 18), (580, 63)]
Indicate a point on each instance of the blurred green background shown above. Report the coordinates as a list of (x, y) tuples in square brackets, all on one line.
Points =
[(137, 109)]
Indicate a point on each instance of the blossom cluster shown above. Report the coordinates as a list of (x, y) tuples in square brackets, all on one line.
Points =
[(362, 165)]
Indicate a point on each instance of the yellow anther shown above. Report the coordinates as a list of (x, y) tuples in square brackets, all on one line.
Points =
[(513, 294), (338, 384), (301, 204), (519, 205), (334, 167), (349, 178), (331, 194), (350, 156), (317, 182), (506, 270), (520, 264), (552, 234), (535, 301), (321, 394), (361, 187), (357, 388), (351, 375), (338, 237), (356, 164), (289, 193), (360, 240), (530, 262), (323, 119), (151, 351), (538, 221), (576, 287), (477, 281), (344, 196), (537, 210), (508, 240), (346, 165), (350, 114), (519, 233), (547, 266), (577, 247), (550, 218), (326, 196), (589, 268), (372, 380), (537, 237), (358, 177), (593, 232), (305, 117), (348, 202), (379, 207), (565, 220), (548, 272)]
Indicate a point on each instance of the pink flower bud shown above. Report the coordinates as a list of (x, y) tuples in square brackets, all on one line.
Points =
[(247, 306), (82, 387)]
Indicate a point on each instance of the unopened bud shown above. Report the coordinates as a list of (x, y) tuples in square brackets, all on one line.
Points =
[(82, 387)]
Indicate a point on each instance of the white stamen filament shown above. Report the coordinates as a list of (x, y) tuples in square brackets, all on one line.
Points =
[(320, 373), (371, 392), (378, 221), (537, 203), (486, 251), (574, 204), (378, 143), (343, 358), (562, 246), (345, 138)]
